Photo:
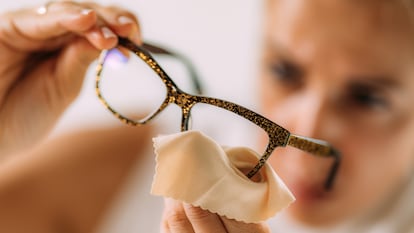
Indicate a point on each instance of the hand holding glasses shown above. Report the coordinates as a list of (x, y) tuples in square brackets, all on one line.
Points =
[(172, 94)]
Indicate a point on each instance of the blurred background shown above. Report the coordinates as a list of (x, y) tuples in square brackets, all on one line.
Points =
[(221, 38)]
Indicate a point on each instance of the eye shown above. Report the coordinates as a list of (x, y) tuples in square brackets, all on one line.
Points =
[(368, 97), (286, 73)]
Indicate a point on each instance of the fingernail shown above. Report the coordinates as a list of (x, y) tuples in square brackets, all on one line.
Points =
[(86, 11), (107, 33), (125, 20)]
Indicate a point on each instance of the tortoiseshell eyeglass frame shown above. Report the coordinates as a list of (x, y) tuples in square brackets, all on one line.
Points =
[(278, 136)]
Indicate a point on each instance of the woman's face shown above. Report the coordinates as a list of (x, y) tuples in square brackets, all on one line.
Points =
[(341, 71)]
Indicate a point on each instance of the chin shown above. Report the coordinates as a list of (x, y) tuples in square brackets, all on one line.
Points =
[(306, 218), (316, 207)]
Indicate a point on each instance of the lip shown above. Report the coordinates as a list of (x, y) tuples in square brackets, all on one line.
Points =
[(308, 193)]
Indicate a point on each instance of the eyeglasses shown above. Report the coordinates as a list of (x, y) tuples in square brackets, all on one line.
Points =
[(277, 135)]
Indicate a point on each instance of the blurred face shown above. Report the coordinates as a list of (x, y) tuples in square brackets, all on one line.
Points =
[(341, 71)]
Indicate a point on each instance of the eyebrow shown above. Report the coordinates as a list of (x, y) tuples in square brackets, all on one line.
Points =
[(277, 52), (377, 81), (277, 49)]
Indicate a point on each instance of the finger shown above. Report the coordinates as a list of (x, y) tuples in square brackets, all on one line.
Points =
[(175, 219), (203, 221), (102, 37), (99, 34), (25, 25), (233, 226), (165, 228), (67, 16), (120, 21), (164, 224), (74, 61), (27, 30)]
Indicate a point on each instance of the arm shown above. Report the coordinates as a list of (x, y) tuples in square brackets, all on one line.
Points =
[(66, 184)]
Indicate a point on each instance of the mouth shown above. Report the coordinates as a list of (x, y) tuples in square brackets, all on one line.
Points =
[(309, 193)]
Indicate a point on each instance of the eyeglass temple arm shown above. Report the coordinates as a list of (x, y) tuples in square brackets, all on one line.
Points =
[(318, 148), (195, 78)]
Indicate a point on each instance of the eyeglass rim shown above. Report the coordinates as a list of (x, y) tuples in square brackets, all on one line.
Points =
[(281, 137)]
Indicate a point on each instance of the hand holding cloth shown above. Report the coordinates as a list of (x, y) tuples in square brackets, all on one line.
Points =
[(193, 168)]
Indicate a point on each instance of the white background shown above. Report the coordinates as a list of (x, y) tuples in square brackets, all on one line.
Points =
[(221, 39)]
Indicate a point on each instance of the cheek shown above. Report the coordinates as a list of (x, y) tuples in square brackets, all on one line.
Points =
[(274, 102), (379, 160), (374, 164), (371, 171)]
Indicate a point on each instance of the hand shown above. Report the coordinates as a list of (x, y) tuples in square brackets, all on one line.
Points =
[(43, 59), (179, 217)]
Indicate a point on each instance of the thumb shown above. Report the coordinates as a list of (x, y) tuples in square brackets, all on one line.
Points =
[(241, 227), (35, 104), (71, 66), (54, 83)]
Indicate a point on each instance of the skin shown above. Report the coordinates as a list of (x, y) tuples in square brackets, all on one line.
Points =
[(349, 81), (67, 184), (353, 90), (180, 217), (339, 71), (51, 185), (43, 62)]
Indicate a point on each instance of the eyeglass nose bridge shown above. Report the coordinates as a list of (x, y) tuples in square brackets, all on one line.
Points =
[(185, 102)]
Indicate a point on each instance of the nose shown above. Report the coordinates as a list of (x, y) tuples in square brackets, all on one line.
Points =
[(306, 114)]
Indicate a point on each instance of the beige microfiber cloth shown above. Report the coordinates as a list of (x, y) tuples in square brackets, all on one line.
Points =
[(193, 168)]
